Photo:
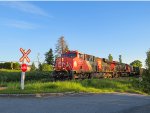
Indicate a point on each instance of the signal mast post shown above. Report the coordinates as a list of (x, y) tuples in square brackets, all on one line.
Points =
[(22, 77), (24, 65)]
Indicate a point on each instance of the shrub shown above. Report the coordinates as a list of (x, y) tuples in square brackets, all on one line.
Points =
[(33, 68), (16, 66), (10, 65), (1, 65), (46, 67), (145, 83), (10, 76), (7, 65)]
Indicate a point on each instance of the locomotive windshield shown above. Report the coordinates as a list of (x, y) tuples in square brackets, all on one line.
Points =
[(71, 55)]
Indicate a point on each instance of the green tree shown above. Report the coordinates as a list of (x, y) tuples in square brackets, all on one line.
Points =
[(7, 65), (33, 68), (66, 49), (16, 66), (110, 58), (145, 83), (147, 61), (120, 58), (40, 67), (49, 57), (136, 63), (61, 47), (46, 67)]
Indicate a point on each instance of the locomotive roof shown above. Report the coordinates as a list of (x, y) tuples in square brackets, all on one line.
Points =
[(76, 51)]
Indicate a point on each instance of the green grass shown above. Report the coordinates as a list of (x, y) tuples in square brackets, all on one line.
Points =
[(9, 70), (92, 86), (39, 82), (15, 75)]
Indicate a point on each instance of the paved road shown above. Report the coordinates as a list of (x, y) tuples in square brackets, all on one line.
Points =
[(102, 103)]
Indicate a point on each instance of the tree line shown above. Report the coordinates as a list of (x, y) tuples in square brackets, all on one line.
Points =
[(61, 47), (135, 63), (10, 65)]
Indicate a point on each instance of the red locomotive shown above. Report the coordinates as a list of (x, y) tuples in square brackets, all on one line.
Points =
[(74, 64)]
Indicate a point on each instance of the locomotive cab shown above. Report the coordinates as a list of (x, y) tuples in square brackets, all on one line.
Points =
[(64, 64)]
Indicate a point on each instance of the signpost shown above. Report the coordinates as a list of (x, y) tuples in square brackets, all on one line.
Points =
[(23, 59)]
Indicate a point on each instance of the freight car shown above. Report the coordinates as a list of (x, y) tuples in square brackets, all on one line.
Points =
[(74, 65)]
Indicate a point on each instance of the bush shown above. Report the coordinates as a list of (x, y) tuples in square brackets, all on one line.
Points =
[(33, 68), (45, 67), (38, 76), (145, 82), (1, 65), (10, 65), (16, 66), (7, 65), (10, 76)]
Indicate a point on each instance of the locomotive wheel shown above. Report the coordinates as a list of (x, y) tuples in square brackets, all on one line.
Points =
[(81, 76), (116, 75), (107, 75), (89, 76), (75, 76), (110, 75)]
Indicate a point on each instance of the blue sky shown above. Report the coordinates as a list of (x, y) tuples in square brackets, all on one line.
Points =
[(96, 28)]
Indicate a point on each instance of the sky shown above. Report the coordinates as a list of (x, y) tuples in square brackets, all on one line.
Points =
[(97, 28)]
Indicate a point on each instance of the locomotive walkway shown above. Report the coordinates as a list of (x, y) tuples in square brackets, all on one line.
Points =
[(79, 103)]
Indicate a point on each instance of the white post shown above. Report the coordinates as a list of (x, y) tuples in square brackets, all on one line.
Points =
[(22, 77), (22, 80)]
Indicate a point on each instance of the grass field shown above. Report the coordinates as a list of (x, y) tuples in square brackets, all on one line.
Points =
[(92, 86), (15, 75), (40, 82)]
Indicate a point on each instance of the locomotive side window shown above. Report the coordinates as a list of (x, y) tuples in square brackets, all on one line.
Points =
[(64, 55), (81, 56), (90, 58), (87, 57), (70, 55), (84, 56), (93, 58)]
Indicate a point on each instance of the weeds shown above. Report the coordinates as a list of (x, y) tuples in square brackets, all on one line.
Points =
[(92, 85)]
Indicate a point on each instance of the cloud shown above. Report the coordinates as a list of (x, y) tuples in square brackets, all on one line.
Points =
[(21, 25), (26, 7)]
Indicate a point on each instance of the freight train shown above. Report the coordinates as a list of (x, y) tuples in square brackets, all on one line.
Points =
[(77, 65)]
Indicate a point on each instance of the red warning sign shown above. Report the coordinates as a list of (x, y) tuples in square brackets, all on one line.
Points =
[(24, 67)]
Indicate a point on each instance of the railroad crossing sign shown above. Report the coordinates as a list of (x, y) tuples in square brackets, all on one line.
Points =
[(23, 59), (25, 55)]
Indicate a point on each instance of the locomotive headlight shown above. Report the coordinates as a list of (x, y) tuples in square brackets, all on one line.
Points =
[(75, 64)]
